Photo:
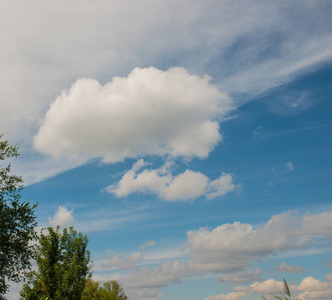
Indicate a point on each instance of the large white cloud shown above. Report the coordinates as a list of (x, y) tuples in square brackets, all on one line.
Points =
[(234, 247), (184, 186), (151, 112), (246, 49)]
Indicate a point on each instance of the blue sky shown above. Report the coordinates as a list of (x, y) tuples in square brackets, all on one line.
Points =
[(190, 140)]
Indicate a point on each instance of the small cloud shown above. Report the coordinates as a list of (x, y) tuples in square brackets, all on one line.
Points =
[(328, 277), (291, 103), (243, 277), (160, 276), (63, 217), (147, 244), (258, 130), (290, 166), (116, 260), (182, 187), (283, 267)]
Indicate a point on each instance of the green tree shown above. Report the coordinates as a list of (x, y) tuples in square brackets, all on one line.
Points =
[(111, 290), (63, 266), (17, 223)]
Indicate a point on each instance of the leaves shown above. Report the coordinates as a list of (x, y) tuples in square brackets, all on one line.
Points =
[(17, 223), (111, 290), (63, 266)]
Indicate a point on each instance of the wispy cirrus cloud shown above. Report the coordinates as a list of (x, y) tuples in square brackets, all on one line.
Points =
[(245, 49)]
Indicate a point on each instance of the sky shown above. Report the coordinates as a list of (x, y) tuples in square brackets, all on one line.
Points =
[(189, 140)]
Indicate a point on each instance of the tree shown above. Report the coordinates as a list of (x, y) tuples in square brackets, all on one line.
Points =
[(111, 290), (17, 223), (63, 266)]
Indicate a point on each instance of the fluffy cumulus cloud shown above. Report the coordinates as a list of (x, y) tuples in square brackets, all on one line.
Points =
[(234, 247), (116, 260), (63, 217), (269, 286), (184, 186), (161, 276), (266, 287), (150, 112), (283, 267), (312, 288)]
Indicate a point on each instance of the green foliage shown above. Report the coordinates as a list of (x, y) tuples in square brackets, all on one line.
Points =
[(111, 290), (63, 266), (17, 223), (285, 294)]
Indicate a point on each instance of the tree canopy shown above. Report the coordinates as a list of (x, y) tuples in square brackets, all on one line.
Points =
[(63, 266), (110, 290), (17, 223)]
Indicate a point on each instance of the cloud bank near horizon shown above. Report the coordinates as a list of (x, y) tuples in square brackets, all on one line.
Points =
[(229, 250)]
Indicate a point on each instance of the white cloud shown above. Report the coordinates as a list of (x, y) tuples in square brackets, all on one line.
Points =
[(230, 296), (116, 260), (234, 247), (63, 217), (269, 286), (151, 112), (161, 276), (317, 223), (328, 277), (283, 267), (227, 39), (266, 288), (312, 288), (184, 186), (243, 277), (147, 244), (289, 166), (309, 289)]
